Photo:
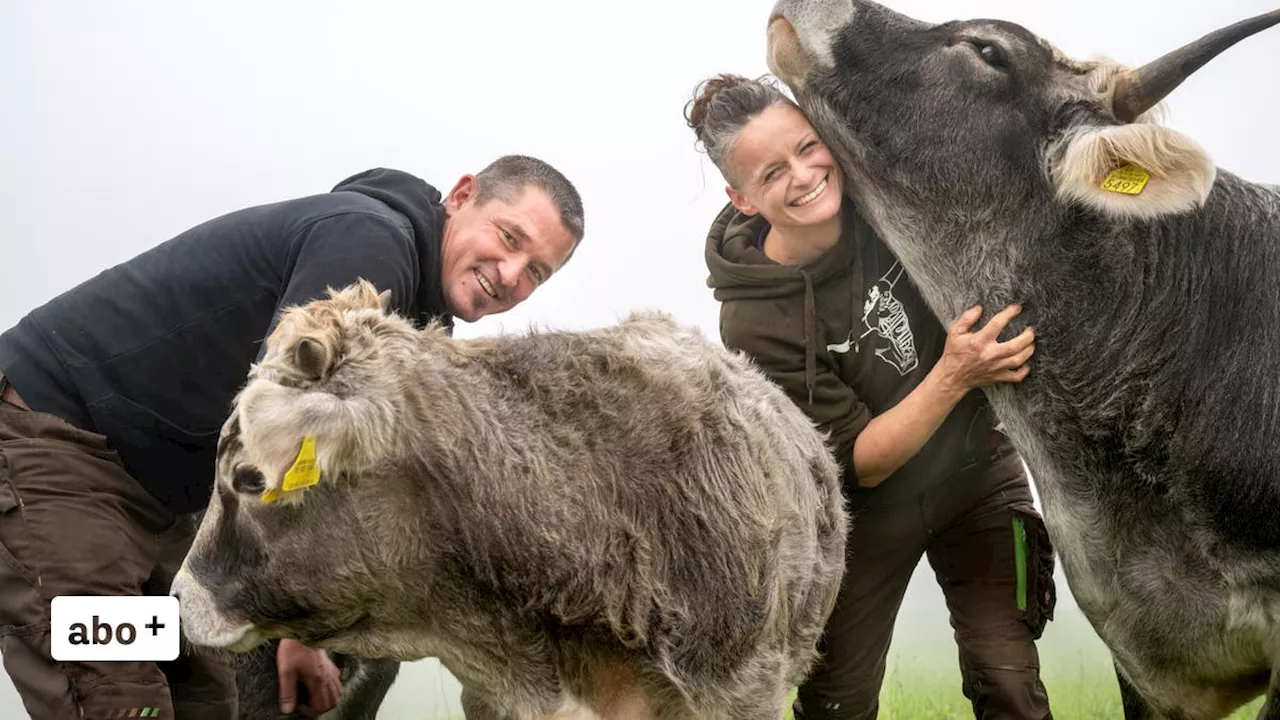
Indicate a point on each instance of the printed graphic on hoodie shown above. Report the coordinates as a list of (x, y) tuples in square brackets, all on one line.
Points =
[(886, 317)]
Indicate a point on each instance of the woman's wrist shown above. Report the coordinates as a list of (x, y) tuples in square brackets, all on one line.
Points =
[(943, 383)]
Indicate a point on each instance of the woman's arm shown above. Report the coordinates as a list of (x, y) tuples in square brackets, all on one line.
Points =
[(971, 360)]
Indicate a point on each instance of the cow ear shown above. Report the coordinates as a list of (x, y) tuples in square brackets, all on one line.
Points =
[(1137, 171), (311, 356)]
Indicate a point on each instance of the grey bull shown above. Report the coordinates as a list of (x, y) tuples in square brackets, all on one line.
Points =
[(1001, 171), (626, 522)]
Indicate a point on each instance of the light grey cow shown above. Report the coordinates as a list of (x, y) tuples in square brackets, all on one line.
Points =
[(1001, 171), (627, 522)]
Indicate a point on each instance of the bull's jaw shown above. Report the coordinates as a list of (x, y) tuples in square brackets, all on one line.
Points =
[(201, 622)]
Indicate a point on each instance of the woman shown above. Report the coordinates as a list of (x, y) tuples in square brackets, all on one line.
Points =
[(810, 292)]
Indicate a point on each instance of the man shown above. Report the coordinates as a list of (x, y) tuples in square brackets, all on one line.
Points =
[(112, 396)]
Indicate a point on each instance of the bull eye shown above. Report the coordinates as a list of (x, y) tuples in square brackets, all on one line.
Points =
[(248, 479), (992, 54)]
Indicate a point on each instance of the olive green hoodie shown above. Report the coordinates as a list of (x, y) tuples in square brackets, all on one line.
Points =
[(847, 336)]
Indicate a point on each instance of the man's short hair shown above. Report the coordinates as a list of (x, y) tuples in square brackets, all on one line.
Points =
[(506, 178)]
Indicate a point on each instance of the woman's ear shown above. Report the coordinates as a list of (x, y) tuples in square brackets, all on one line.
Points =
[(740, 201)]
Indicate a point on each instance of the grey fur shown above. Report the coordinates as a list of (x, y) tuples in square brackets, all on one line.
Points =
[(630, 519), (1151, 414)]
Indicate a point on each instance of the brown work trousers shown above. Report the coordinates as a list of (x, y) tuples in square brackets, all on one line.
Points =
[(74, 522), (981, 534)]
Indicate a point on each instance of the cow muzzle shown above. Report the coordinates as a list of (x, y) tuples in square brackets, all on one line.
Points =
[(201, 621), (800, 35)]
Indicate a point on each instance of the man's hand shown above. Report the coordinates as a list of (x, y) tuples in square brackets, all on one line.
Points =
[(294, 662)]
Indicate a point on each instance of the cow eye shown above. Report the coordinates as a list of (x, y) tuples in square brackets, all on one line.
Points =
[(248, 479), (992, 54)]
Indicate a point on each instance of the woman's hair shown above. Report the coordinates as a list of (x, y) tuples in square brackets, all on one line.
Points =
[(722, 106)]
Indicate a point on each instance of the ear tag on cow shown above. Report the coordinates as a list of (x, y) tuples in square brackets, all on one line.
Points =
[(305, 471), (1129, 179)]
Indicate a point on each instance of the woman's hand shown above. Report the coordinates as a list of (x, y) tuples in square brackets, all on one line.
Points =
[(973, 359)]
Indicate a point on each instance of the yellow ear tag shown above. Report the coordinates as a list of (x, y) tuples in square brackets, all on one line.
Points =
[(305, 471), (1129, 179)]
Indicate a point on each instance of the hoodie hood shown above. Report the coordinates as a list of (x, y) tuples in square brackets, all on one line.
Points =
[(422, 204), (740, 270)]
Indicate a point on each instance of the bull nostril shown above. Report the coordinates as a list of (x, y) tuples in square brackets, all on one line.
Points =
[(248, 479)]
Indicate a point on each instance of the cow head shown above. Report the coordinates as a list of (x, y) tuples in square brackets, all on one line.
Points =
[(297, 536), (977, 118)]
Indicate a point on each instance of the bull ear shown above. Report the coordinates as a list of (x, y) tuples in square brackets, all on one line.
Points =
[(1139, 171), (311, 357)]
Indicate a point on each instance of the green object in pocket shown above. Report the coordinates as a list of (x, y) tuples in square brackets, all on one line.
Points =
[(1020, 560)]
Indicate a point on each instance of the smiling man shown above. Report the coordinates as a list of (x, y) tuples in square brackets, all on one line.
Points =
[(112, 396), (497, 253)]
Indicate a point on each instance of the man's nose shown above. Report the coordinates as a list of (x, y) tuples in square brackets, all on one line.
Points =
[(510, 270)]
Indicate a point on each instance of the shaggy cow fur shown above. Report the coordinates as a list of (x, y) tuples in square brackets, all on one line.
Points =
[(629, 521), (1151, 414)]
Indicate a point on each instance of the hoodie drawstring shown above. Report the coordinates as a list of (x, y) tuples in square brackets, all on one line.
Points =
[(810, 337)]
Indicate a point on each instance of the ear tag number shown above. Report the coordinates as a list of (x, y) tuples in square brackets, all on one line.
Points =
[(1129, 180)]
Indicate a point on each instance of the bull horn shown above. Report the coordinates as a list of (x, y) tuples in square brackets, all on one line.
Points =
[(1140, 89)]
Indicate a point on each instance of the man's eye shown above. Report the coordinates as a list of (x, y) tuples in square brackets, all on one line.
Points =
[(510, 240)]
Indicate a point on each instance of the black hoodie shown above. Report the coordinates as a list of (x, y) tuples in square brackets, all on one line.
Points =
[(151, 352), (848, 337)]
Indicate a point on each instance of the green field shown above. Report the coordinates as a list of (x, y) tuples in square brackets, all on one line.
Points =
[(924, 683)]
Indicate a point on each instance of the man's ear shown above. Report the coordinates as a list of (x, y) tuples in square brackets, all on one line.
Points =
[(463, 191), (1138, 171), (740, 201)]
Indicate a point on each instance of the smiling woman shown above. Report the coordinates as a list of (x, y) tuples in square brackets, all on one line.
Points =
[(900, 397)]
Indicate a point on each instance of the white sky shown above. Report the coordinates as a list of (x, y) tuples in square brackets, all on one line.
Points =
[(126, 122)]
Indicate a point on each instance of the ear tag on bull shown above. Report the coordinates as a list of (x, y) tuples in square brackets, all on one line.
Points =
[(305, 471), (1129, 179)]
